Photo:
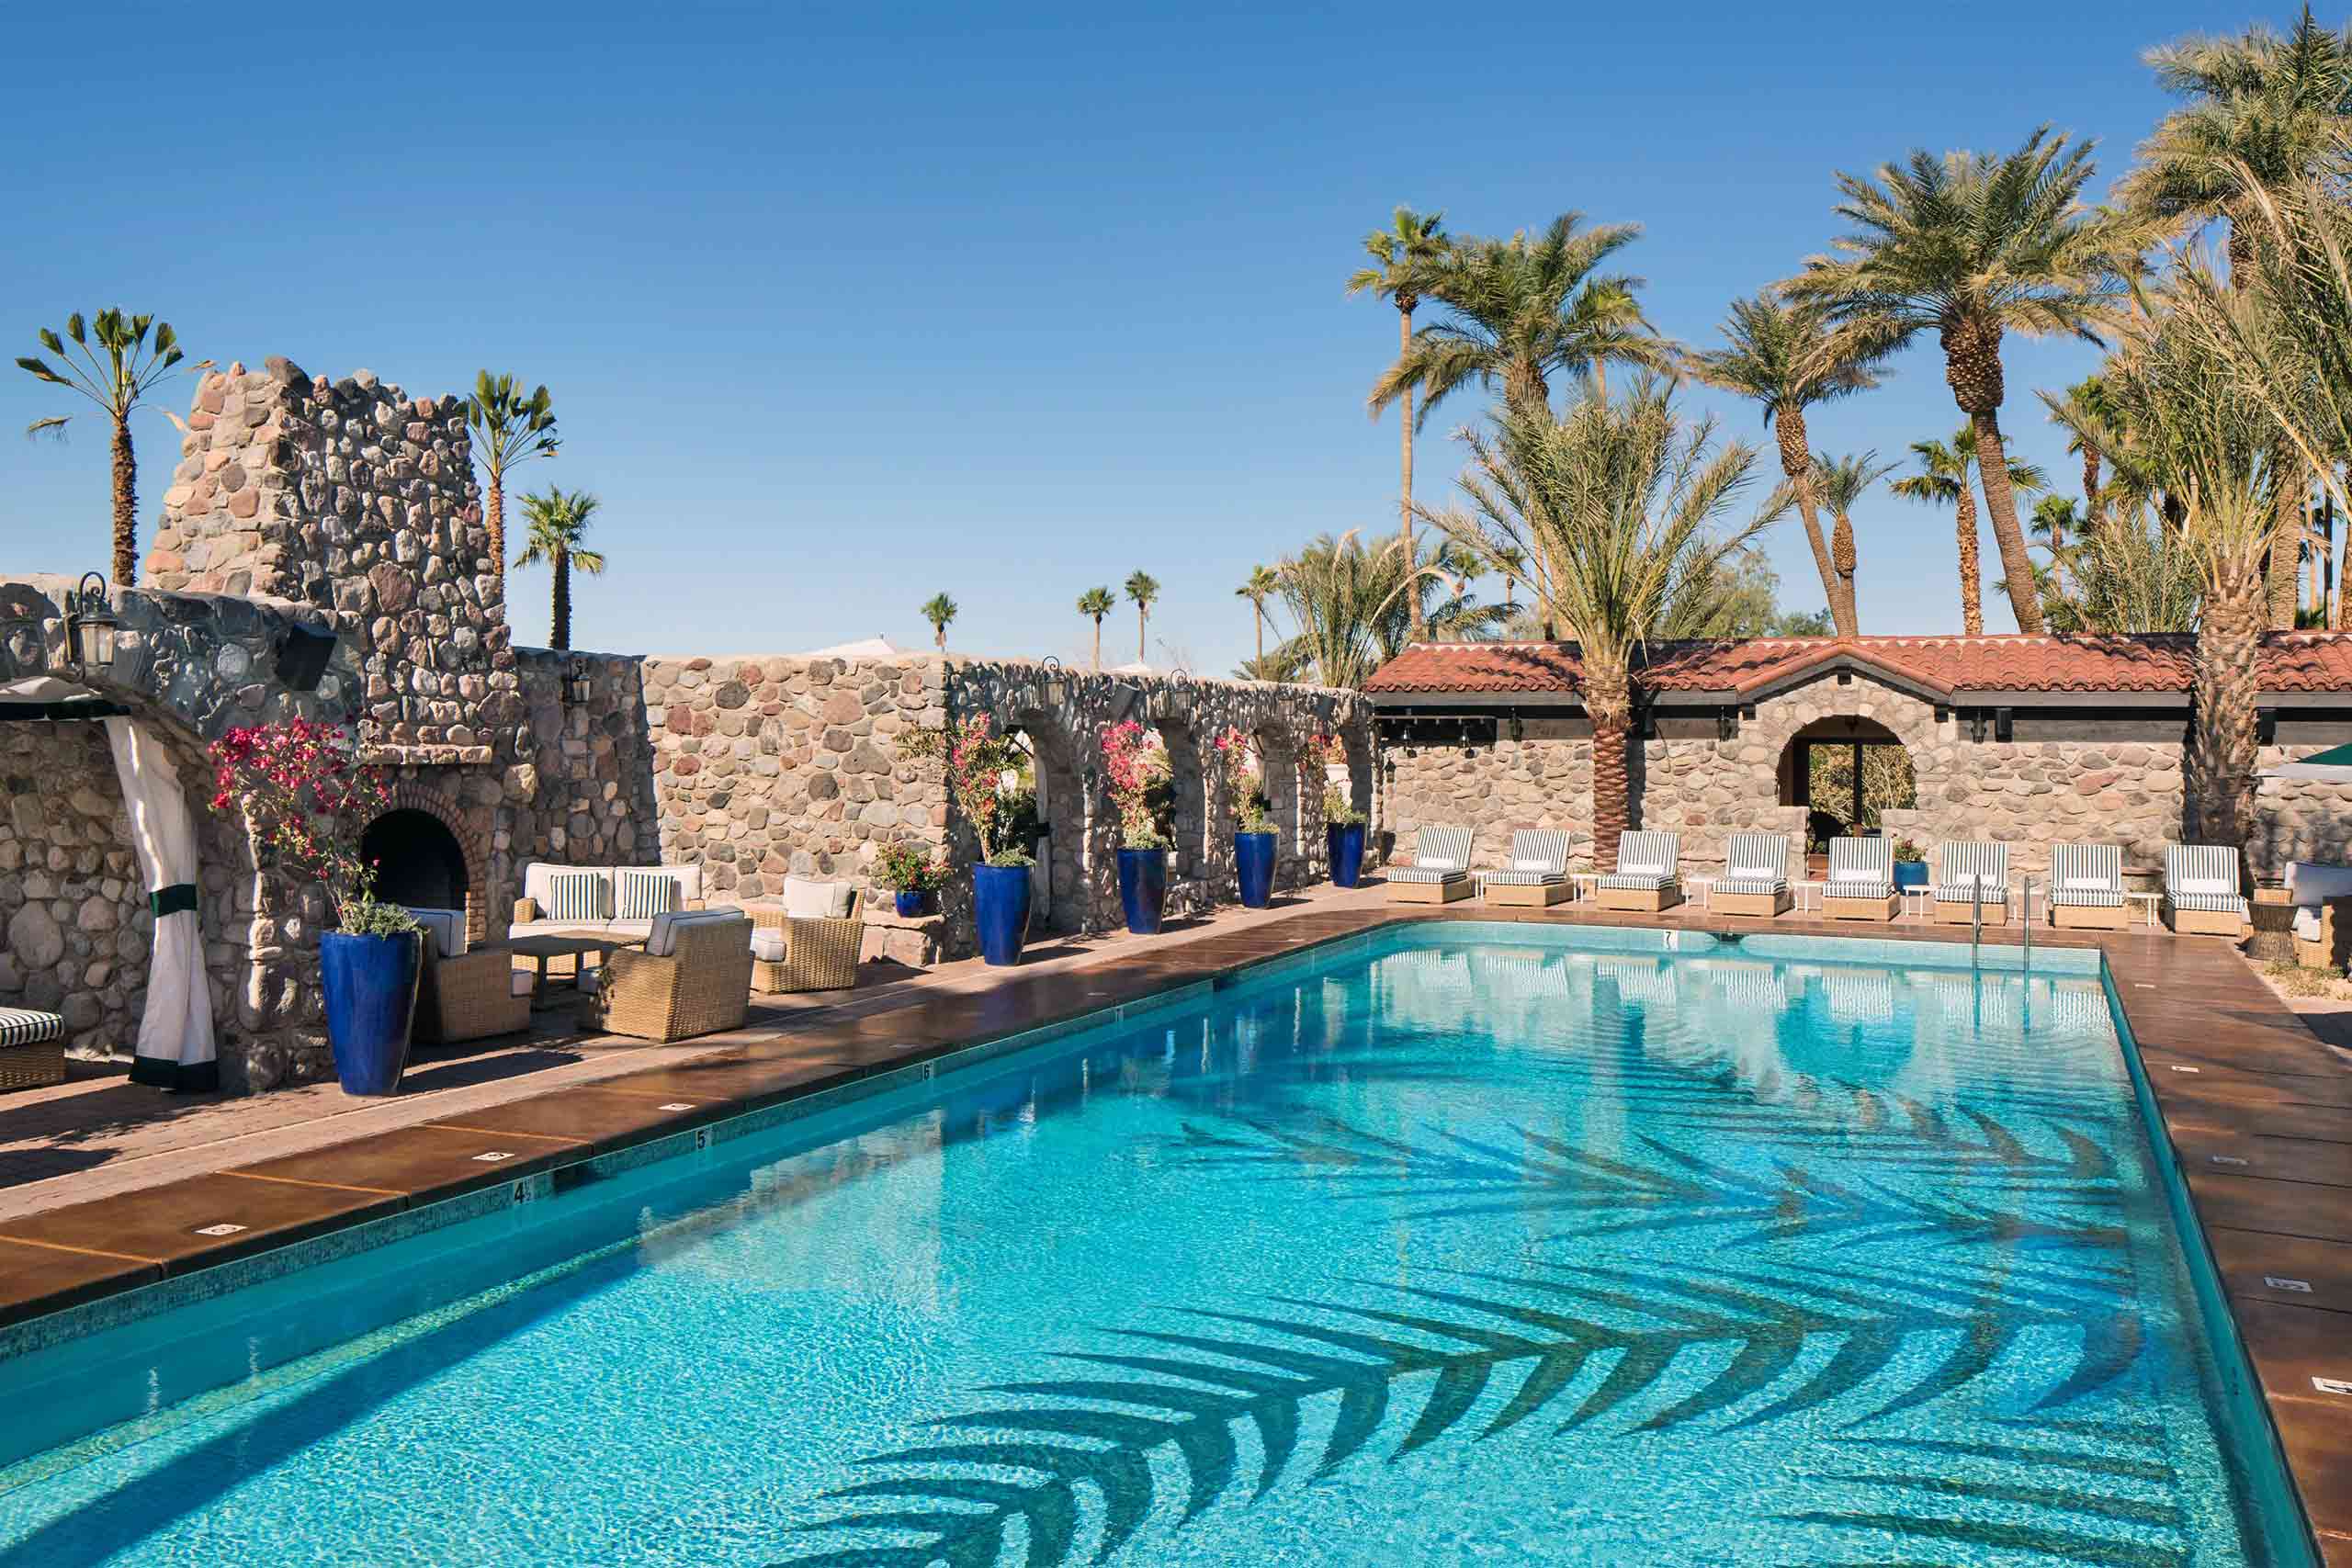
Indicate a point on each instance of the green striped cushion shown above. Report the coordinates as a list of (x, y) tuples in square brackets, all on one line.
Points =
[(577, 896), (645, 894)]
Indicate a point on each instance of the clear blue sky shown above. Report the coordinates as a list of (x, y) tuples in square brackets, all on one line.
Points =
[(844, 306)]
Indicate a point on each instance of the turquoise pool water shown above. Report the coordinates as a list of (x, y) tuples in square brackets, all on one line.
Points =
[(1488, 1246)]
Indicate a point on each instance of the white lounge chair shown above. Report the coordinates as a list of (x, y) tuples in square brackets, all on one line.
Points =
[(2201, 897), (1861, 881), (1756, 876), (1648, 874), (2087, 887), (1971, 877), (1441, 870), (1537, 877)]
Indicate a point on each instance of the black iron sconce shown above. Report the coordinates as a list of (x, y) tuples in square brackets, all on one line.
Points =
[(90, 626)]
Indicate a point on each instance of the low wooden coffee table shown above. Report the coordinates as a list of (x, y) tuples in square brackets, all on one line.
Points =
[(574, 945)]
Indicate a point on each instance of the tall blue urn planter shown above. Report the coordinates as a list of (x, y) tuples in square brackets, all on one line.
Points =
[(1143, 889), (1001, 909), (371, 993), (1345, 843), (1253, 866)]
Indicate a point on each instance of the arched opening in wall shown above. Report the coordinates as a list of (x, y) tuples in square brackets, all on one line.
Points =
[(418, 860), (1183, 806), (1045, 815), (1278, 774), (1845, 770)]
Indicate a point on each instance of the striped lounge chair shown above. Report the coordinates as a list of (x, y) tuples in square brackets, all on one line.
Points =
[(1967, 873), (1537, 877), (1861, 881), (1648, 874), (2087, 887), (32, 1048), (2201, 897), (1756, 876), (1441, 870)]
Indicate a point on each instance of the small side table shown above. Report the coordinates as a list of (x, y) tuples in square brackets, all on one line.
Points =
[(574, 946), (1927, 901), (2149, 904), (1703, 890)]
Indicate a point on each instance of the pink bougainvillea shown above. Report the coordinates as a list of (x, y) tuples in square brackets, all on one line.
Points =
[(302, 789), (977, 759), (1134, 763), (1244, 788)]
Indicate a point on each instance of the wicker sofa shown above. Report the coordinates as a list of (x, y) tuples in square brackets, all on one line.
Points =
[(693, 976), (32, 1049), (806, 953), (2322, 896), (535, 913), (460, 994)]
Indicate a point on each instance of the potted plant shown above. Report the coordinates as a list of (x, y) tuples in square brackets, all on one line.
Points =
[(1343, 825), (1910, 866), (300, 789), (1132, 766), (1253, 835), (977, 762), (912, 877)]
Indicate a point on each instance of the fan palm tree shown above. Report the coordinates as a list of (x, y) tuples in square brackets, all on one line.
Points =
[(1142, 589), (1411, 240), (1787, 358), (117, 375), (1947, 476), (1263, 582), (1619, 507), (1839, 482), (1974, 246), (1095, 604), (1518, 312), (558, 520), (508, 428), (940, 611)]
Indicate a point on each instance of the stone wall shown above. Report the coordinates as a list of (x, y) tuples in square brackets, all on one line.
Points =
[(70, 897), (1543, 781), (355, 497)]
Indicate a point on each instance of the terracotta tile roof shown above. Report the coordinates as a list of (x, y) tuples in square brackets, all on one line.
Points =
[(2291, 661)]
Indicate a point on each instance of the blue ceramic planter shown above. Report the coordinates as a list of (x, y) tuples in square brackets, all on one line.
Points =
[(1345, 843), (1001, 909), (1143, 889), (1911, 873), (1253, 866), (909, 904), (370, 985)]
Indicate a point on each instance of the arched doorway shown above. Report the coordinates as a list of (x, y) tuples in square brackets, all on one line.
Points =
[(1182, 807), (418, 860), (1046, 816), (1845, 770)]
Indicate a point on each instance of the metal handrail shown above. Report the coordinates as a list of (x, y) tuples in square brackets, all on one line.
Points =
[(2025, 919)]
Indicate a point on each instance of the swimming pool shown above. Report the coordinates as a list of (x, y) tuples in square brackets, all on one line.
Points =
[(1472, 1244)]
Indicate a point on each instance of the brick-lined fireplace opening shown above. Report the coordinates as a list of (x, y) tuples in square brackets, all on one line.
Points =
[(428, 856)]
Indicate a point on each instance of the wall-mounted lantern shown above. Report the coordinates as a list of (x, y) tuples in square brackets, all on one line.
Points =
[(90, 626), (577, 687)]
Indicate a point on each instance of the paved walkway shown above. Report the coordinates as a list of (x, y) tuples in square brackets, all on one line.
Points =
[(101, 1135)]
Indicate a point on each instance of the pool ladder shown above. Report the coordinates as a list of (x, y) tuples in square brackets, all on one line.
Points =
[(1976, 919)]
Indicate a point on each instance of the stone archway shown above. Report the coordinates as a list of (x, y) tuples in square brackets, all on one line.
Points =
[(1061, 851), (398, 834), (1844, 771), (1278, 756), (1187, 800)]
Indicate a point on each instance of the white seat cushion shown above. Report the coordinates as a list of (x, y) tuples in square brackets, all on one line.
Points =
[(1531, 862), (2204, 884), (1856, 874), (768, 944), (662, 942), (811, 900), (2310, 884), (2307, 921), (563, 928), (2086, 884), (445, 929)]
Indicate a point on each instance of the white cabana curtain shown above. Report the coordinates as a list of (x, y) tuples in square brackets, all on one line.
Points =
[(175, 1044)]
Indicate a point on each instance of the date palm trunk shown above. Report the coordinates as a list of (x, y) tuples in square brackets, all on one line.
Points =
[(1609, 698), (1796, 465), (2221, 752), (560, 612), (1973, 367), (1419, 624), (1972, 572), (1841, 556), (2286, 559), (126, 505)]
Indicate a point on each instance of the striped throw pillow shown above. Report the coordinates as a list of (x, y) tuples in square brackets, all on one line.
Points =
[(645, 894), (576, 896)]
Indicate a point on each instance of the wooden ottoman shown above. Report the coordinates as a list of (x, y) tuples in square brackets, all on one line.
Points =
[(1530, 894), (1762, 905), (2206, 922), (1961, 912), (1638, 900), (1845, 907), (1449, 891), (2091, 917)]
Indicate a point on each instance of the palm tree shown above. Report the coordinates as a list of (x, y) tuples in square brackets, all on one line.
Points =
[(940, 611), (1262, 583), (1411, 240), (1511, 565), (558, 520), (509, 428), (1787, 358), (1971, 247), (2084, 415), (1142, 589), (1618, 506), (117, 375), (1097, 603), (1354, 604), (1947, 476), (1840, 482), (1520, 312)]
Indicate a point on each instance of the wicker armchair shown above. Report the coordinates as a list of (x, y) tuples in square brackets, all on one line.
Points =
[(470, 997), (818, 955), (693, 977)]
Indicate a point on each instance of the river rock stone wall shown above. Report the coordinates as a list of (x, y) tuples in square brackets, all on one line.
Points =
[(71, 898)]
